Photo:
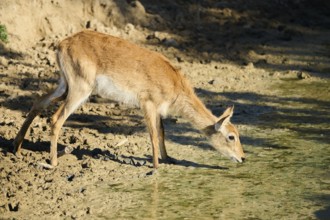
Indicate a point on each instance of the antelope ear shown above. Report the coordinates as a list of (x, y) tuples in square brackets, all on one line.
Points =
[(224, 118), (228, 112)]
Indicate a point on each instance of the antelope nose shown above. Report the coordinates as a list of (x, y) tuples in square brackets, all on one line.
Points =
[(243, 159)]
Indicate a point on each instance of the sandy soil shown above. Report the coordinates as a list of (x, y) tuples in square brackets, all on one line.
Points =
[(225, 48)]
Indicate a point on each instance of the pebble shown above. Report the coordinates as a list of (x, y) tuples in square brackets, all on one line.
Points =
[(70, 177), (303, 75), (96, 153), (250, 65), (13, 208), (3, 61), (136, 162), (126, 160), (217, 82), (86, 165), (170, 42), (82, 189), (152, 172), (129, 28)]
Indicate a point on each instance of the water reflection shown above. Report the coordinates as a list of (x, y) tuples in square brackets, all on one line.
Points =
[(154, 201)]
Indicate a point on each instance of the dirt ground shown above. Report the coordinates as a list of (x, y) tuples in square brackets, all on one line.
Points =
[(225, 48)]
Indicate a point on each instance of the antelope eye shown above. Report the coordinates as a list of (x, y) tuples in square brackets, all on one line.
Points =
[(231, 137)]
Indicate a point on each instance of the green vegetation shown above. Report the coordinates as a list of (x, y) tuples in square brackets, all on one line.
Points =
[(3, 33)]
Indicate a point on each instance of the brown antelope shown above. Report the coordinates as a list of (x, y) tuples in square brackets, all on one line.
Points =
[(114, 68)]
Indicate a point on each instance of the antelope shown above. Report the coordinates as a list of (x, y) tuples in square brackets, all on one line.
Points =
[(122, 71)]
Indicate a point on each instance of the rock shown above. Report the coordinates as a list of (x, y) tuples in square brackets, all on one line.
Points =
[(276, 74), (86, 165), (261, 62), (250, 65), (89, 211), (129, 28), (3, 62), (70, 177), (13, 208), (152, 172), (95, 25), (66, 150), (170, 42), (82, 189), (152, 39), (3, 209), (217, 82), (303, 75), (80, 213), (138, 8), (96, 153), (137, 163), (126, 160), (73, 139), (179, 59)]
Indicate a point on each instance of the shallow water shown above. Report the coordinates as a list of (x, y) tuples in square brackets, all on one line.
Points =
[(286, 175)]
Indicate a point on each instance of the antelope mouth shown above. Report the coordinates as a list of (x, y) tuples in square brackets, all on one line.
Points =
[(236, 160)]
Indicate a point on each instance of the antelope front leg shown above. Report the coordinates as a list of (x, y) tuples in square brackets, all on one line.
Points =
[(150, 116), (162, 148), (161, 135), (58, 120)]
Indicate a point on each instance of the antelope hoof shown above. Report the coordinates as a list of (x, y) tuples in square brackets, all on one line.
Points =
[(14, 147), (45, 165), (53, 162), (18, 154), (16, 151)]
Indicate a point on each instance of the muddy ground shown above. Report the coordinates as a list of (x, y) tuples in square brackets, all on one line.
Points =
[(253, 54)]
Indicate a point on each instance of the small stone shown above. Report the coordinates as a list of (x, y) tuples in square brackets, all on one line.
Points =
[(126, 161), (86, 165), (73, 139), (70, 177), (179, 59), (96, 153), (250, 65), (152, 39), (3, 209), (80, 213), (303, 75), (13, 208), (82, 189), (129, 28), (137, 163), (217, 82), (170, 42), (3, 61), (261, 62), (106, 158), (152, 172)]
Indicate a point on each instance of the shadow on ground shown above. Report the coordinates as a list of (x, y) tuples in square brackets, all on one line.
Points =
[(231, 30)]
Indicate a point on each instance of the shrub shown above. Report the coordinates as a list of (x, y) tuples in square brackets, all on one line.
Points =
[(3, 33)]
